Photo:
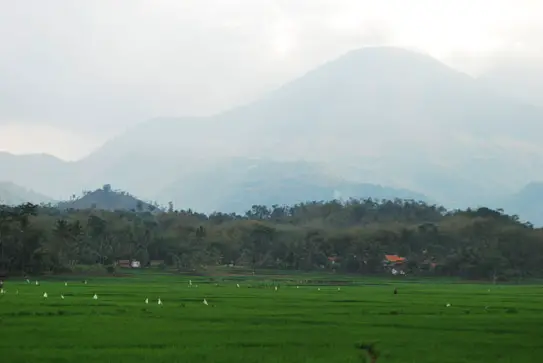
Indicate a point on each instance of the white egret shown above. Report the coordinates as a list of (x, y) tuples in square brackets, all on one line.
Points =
[(147, 301), (95, 297), (159, 302), (205, 302), (237, 285), (45, 295), (62, 296)]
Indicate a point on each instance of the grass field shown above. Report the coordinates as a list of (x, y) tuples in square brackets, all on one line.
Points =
[(255, 323)]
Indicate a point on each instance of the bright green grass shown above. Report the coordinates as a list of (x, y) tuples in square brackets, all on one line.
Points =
[(258, 324)]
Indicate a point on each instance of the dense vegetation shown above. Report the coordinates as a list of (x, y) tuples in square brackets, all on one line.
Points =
[(349, 237)]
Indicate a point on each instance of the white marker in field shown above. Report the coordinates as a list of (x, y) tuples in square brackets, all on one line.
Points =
[(45, 295), (159, 302), (95, 297), (147, 301), (205, 302)]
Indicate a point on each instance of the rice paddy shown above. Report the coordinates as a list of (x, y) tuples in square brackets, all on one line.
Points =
[(109, 320)]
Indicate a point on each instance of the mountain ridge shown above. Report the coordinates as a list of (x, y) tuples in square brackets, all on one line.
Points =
[(379, 115)]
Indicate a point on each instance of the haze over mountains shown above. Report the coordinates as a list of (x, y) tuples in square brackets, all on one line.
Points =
[(377, 122)]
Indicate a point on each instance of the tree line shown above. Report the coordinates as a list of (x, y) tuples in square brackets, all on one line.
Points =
[(343, 236)]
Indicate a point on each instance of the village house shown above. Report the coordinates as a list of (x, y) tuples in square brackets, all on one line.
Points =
[(128, 264), (395, 264)]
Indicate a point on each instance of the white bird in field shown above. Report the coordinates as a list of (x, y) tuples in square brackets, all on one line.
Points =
[(65, 284), (27, 281), (147, 301), (297, 287), (85, 282), (159, 302), (190, 283), (45, 295), (237, 285), (95, 297), (275, 288), (62, 296), (205, 302), (2, 291), (319, 289), (37, 283), (339, 289), (448, 305)]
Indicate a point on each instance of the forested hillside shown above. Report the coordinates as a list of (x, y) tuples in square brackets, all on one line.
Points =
[(351, 236), (107, 199)]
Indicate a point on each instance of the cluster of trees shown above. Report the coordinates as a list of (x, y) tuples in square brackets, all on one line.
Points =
[(350, 236)]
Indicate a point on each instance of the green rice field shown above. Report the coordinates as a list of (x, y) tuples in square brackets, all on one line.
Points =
[(299, 322)]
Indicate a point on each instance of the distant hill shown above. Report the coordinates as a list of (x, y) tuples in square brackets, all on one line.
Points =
[(237, 185), (107, 199), (42, 173), (527, 203), (12, 194)]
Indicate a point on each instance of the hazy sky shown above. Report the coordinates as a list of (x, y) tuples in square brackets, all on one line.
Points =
[(73, 73)]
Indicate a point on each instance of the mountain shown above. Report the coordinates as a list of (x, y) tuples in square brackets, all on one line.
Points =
[(520, 78), (43, 173), (527, 203), (107, 199), (238, 184), (12, 194), (376, 115), (380, 116)]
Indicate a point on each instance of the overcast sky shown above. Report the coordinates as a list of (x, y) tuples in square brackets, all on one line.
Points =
[(74, 73)]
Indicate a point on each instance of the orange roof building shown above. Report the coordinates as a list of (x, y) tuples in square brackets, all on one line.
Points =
[(394, 258)]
